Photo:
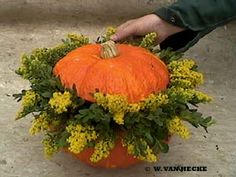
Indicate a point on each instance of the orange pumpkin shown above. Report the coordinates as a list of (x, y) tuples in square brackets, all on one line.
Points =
[(130, 71), (111, 68), (118, 157)]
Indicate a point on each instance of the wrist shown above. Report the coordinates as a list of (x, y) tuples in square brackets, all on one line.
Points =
[(165, 29)]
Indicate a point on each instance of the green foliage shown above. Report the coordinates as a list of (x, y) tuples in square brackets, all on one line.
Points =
[(169, 55), (146, 127), (38, 65), (196, 118), (37, 68), (150, 127), (99, 118), (61, 139)]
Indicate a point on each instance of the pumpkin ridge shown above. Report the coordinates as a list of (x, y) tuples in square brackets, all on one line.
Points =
[(154, 74), (84, 79)]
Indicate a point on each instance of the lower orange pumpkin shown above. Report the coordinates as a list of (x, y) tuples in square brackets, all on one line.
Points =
[(118, 158)]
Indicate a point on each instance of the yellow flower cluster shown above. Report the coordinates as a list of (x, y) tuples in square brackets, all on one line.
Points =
[(175, 125), (101, 150), (153, 101), (74, 37), (109, 32), (184, 63), (178, 92), (118, 105), (134, 107), (49, 147), (149, 155), (202, 97), (40, 123), (80, 136), (130, 148), (149, 40), (189, 94), (29, 99), (119, 117), (183, 75), (60, 101)]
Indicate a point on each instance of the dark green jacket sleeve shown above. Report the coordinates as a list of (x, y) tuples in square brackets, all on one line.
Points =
[(198, 17)]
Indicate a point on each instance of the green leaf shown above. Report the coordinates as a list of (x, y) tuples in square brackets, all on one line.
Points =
[(169, 55), (142, 146), (62, 139), (94, 114), (196, 118), (46, 94), (163, 147), (149, 137)]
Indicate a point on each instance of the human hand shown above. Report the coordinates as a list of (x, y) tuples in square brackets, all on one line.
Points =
[(144, 25)]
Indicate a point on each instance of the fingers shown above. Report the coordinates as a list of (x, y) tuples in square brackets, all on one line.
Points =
[(124, 32), (144, 25)]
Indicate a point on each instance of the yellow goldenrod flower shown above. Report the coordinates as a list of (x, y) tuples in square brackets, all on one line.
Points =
[(149, 155), (101, 150), (49, 147), (202, 97), (183, 75), (60, 102), (186, 63), (149, 40), (29, 99), (100, 99), (109, 32), (79, 137), (76, 37), (118, 105), (130, 148), (119, 118), (40, 123), (114, 103), (189, 94), (153, 101), (178, 92), (175, 126), (134, 107)]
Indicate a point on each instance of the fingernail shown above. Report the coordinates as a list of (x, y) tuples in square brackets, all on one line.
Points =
[(113, 37)]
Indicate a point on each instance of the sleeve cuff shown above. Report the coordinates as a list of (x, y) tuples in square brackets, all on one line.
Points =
[(171, 17)]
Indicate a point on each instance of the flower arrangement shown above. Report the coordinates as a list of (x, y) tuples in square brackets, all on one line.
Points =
[(141, 126)]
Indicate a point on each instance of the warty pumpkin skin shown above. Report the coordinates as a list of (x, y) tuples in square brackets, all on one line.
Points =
[(134, 73)]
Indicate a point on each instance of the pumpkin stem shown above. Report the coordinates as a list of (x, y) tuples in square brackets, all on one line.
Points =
[(109, 50)]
